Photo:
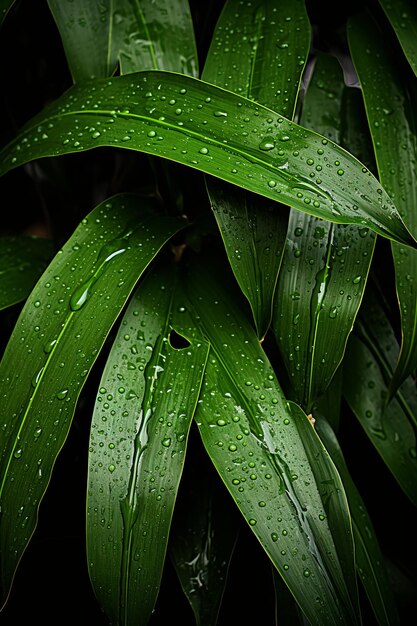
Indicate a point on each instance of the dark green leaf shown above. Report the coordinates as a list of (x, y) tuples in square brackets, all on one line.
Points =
[(55, 342), (390, 427), (393, 123), (256, 442), (202, 542), (22, 261), (147, 397), (369, 559), (204, 127), (324, 268), (5, 6), (253, 230), (138, 35), (403, 17)]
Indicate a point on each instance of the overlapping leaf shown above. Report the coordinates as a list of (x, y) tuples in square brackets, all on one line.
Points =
[(202, 541), (148, 393), (263, 450), (403, 17), (393, 122), (97, 35), (22, 261), (390, 427), (55, 342), (243, 58), (324, 266), (217, 132), (369, 559)]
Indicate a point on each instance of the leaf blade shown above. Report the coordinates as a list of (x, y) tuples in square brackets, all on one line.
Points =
[(255, 443), (22, 261), (252, 68), (136, 460), (39, 399), (240, 161), (403, 17), (393, 123)]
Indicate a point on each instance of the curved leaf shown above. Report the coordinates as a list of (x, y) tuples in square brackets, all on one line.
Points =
[(324, 268), (56, 340), (138, 35), (22, 261), (256, 443), (369, 559), (243, 58), (390, 427), (148, 393), (202, 543), (393, 123), (5, 6), (217, 132), (403, 17)]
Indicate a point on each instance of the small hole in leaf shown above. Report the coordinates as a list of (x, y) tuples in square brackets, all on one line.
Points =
[(177, 341)]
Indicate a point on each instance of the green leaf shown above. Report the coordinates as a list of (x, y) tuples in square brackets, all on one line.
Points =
[(85, 30), (202, 541), (263, 450), (205, 128), (253, 230), (22, 261), (403, 17), (390, 427), (55, 342), (5, 6), (100, 34), (369, 559), (146, 401), (393, 123), (324, 268)]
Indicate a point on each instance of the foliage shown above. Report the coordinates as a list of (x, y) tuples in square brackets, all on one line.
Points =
[(208, 292)]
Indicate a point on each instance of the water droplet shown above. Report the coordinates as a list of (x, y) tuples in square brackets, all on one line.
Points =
[(151, 133), (203, 150), (340, 172), (37, 304), (221, 422), (267, 144), (274, 537), (333, 313), (166, 442), (262, 503), (232, 447), (112, 468), (96, 134), (17, 453), (307, 573), (272, 183), (356, 280), (62, 394), (220, 114), (252, 522)]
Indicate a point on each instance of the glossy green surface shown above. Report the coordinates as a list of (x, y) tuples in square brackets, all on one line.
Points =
[(403, 17)]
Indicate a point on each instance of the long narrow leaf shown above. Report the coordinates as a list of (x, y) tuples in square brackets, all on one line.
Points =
[(324, 268), (393, 123), (202, 542), (403, 17), (256, 443), (390, 427), (253, 230), (369, 559), (148, 393), (217, 132), (5, 6), (148, 35), (55, 342), (22, 261)]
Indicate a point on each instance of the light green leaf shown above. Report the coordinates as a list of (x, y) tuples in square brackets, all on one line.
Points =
[(324, 268), (369, 559), (263, 451), (147, 397), (138, 35), (403, 17), (243, 58), (390, 427), (55, 342), (202, 126), (22, 261), (202, 540), (393, 122)]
